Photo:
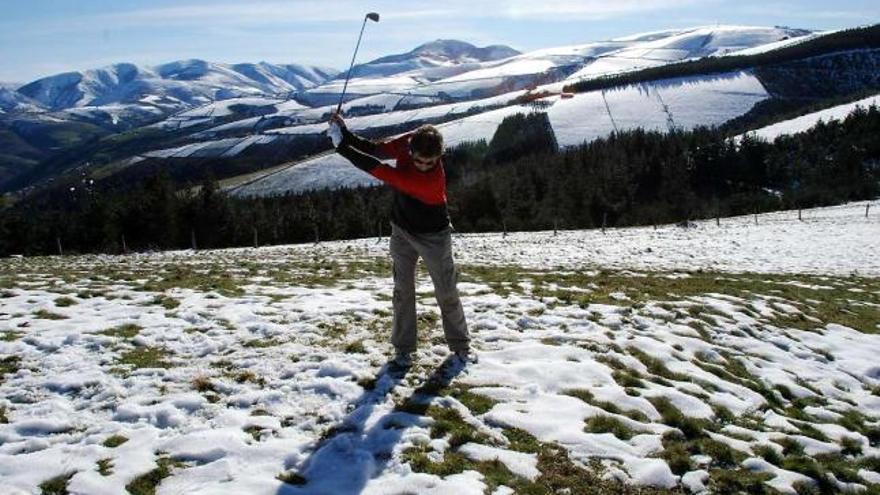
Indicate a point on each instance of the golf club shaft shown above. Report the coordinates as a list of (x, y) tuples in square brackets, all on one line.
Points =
[(345, 86)]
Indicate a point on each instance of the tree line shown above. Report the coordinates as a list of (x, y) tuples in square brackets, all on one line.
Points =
[(517, 181)]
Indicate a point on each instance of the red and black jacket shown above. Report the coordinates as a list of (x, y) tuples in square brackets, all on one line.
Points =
[(419, 197)]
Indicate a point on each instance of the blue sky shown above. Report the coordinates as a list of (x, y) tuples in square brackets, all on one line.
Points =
[(44, 37)]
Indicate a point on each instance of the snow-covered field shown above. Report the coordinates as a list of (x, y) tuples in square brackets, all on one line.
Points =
[(653, 359)]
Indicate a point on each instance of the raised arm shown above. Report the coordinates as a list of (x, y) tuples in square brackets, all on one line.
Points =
[(349, 139)]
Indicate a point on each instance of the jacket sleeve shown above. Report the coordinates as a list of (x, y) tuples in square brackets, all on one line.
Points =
[(385, 150), (364, 161)]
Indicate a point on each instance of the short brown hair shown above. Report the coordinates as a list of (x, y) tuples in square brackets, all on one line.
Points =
[(426, 141)]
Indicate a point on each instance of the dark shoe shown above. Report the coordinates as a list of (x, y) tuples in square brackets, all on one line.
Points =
[(466, 356), (400, 363)]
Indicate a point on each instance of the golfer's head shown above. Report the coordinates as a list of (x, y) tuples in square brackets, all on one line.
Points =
[(426, 147)]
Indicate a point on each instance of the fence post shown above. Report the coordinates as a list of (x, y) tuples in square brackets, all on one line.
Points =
[(756, 215), (124, 246), (58, 243), (604, 220), (867, 207), (192, 239), (256, 239)]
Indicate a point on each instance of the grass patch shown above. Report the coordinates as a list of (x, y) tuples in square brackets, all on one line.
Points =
[(114, 441), (125, 331), (254, 431), (609, 424), (739, 481), (43, 314), (56, 485), (145, 357), (261, 343), (356, 347), (10, 336), (105, 467), (691, 428), (4, 420), (609, 407), (655, 366), (215, 279), (64, 301), (146, 484), (9, 365), (203, 384), (166, 302), (291, 478), (476, 403), (249, 376)]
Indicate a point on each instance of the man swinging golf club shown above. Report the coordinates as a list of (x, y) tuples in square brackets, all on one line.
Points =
[(419, 228)]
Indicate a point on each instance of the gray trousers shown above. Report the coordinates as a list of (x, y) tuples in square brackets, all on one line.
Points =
[(436, 251)]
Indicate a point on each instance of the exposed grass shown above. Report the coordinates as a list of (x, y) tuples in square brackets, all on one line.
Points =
[(249, 376), (10, 336), (476, 403), (4, 420), (105, 467), (261, 343), (145, 357), (114, 441), (291, 478), (64, 301), (655, 366), (48, 315), (356, 347), (56, 485), (125, 331), (739, 481), (203, 384), (691, 428), (9, 365), (166, 302), (146, 484), (215, 279), (587, 396), (254, 431), (609, 424)]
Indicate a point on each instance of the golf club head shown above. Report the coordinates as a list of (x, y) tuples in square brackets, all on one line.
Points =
[(373, 16)]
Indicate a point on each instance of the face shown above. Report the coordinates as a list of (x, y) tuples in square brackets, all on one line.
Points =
[(425, 164)]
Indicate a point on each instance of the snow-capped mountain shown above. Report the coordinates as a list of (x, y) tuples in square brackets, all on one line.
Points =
[(187, 81), (13, 101), (436, 54)]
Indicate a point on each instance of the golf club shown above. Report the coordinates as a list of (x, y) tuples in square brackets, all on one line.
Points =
[(375, 18)]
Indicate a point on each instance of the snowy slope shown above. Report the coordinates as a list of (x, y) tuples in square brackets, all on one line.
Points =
[(660, 48), (272, 369), (13, 101), (682, 103), (805, 122)]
